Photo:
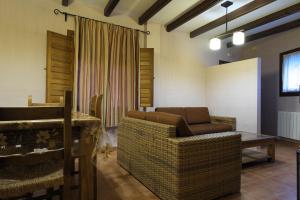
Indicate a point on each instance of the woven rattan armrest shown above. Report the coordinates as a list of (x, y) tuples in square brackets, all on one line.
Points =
[(203, 163), (224, 120), (206, 138), (204, 152)]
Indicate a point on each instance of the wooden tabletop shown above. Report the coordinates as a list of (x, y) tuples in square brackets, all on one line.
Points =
[(246, 136), (78, 119)]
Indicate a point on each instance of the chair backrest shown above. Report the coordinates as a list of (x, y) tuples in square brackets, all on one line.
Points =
[(32, 158), (30, 103), (38, 113), (95, 106)]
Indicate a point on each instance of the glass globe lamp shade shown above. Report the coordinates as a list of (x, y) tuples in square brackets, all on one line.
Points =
[(238, 38), (215, 44)]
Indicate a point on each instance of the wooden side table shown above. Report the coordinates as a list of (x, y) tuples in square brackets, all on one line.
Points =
[(255, 140)]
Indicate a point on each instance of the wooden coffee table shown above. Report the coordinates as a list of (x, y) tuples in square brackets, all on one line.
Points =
[(257, 140)]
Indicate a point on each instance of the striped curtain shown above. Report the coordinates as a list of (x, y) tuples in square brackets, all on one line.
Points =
[(107, 64)]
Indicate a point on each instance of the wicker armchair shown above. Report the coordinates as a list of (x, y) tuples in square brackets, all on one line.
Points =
[(176, 168)]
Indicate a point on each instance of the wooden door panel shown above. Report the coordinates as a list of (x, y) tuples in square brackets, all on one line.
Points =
[(60, 65), (146, 76)]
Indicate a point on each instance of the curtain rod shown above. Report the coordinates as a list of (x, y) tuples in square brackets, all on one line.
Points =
[(57, 12)]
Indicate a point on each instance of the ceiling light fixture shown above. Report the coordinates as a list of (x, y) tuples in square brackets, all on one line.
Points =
[(215, 44), (238, 37)]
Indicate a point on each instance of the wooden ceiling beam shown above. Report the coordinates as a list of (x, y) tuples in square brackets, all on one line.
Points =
[(272, 31), (253, 5), (65, 2), (264, 20), (190, 14), (110, 6), (150, 12)]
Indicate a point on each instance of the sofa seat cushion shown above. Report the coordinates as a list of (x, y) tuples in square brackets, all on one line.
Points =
[(137, 114), (182, 129), (197, 115), (173, 110), (198, 129)]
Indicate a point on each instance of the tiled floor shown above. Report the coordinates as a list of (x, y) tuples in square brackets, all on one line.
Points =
[(263, 181)]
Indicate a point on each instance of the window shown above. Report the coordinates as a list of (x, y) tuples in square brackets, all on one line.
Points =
[(290, 73)]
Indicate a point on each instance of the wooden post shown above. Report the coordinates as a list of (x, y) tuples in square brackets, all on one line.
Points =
[(30, 100), (271, 151), (86, 166), (67, 146), (61, 101)]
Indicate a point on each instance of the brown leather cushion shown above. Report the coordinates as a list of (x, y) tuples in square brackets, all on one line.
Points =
[(197, 115), (137, 114), (172, 110), (182, 129), (198, 129)]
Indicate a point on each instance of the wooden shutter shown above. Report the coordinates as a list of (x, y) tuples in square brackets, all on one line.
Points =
[(146, 76), (60, 65)]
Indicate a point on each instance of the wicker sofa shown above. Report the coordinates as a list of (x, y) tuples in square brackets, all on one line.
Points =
[(197, 167)]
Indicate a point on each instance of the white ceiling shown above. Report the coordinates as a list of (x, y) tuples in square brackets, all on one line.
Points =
[(134, 8)]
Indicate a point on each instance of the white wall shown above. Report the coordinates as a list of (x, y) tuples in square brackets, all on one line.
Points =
[(179, 76), (179, 60), (23, 27), (269, 49), (179, 67), (234, 90)]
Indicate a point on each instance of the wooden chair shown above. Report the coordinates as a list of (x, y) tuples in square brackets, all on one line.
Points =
[(95, 110), (25, 172), (95, 106), (31, 104), (75, 146)]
